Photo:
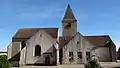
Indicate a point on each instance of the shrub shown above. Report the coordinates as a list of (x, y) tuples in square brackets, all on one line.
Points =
[(4, 63), (92, 64)]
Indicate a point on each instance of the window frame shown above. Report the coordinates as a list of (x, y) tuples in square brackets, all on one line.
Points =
[(79, 55), (88, 55), (37, 50), (71, 56)]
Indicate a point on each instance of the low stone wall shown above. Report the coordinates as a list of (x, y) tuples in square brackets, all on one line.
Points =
[(14, 63)]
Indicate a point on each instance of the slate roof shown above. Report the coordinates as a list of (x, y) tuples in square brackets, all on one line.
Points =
[(28, 32), (69, 16), (64, 40), (98, 40)]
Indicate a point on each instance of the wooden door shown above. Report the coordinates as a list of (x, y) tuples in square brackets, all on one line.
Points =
[(47, 60)]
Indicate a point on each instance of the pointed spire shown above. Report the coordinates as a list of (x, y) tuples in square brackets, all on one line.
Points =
[(69, 14)]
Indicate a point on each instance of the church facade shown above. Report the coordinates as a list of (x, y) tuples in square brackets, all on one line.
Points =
[(43, 46)]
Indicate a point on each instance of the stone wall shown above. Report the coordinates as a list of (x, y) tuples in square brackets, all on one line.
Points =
[(13, 49), (9, 50), (71, 31), (113, 53), (83, 46), (102, 53), (42, 39), (23, 57)]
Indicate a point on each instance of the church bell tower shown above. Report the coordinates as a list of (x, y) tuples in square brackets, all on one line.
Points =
[(69, 25)]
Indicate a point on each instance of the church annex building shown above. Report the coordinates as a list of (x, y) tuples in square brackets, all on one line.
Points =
[(43, 46)]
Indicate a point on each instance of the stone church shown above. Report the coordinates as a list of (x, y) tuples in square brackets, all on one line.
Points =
[(43, 46)]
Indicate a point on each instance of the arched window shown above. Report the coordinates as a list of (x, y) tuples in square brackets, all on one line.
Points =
[(37, 50)]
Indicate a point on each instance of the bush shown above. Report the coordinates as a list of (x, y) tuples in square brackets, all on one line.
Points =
[(92, 64), (4, 63)]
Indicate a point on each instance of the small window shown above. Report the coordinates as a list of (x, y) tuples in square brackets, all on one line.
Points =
[(65, 41), (78, 46), (77, 42), (79, 54), (68, 25), (71, 56), (23, 44), (40, 35), (37, 50), (87, 55)]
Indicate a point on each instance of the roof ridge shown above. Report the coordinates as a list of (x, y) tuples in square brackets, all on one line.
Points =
[(95, 35), (27, 32), (38, 28)]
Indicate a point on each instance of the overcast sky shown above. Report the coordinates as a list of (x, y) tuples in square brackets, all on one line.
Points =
[(95, 17)]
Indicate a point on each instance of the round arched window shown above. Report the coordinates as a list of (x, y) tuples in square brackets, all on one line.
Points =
[(37, 50)]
